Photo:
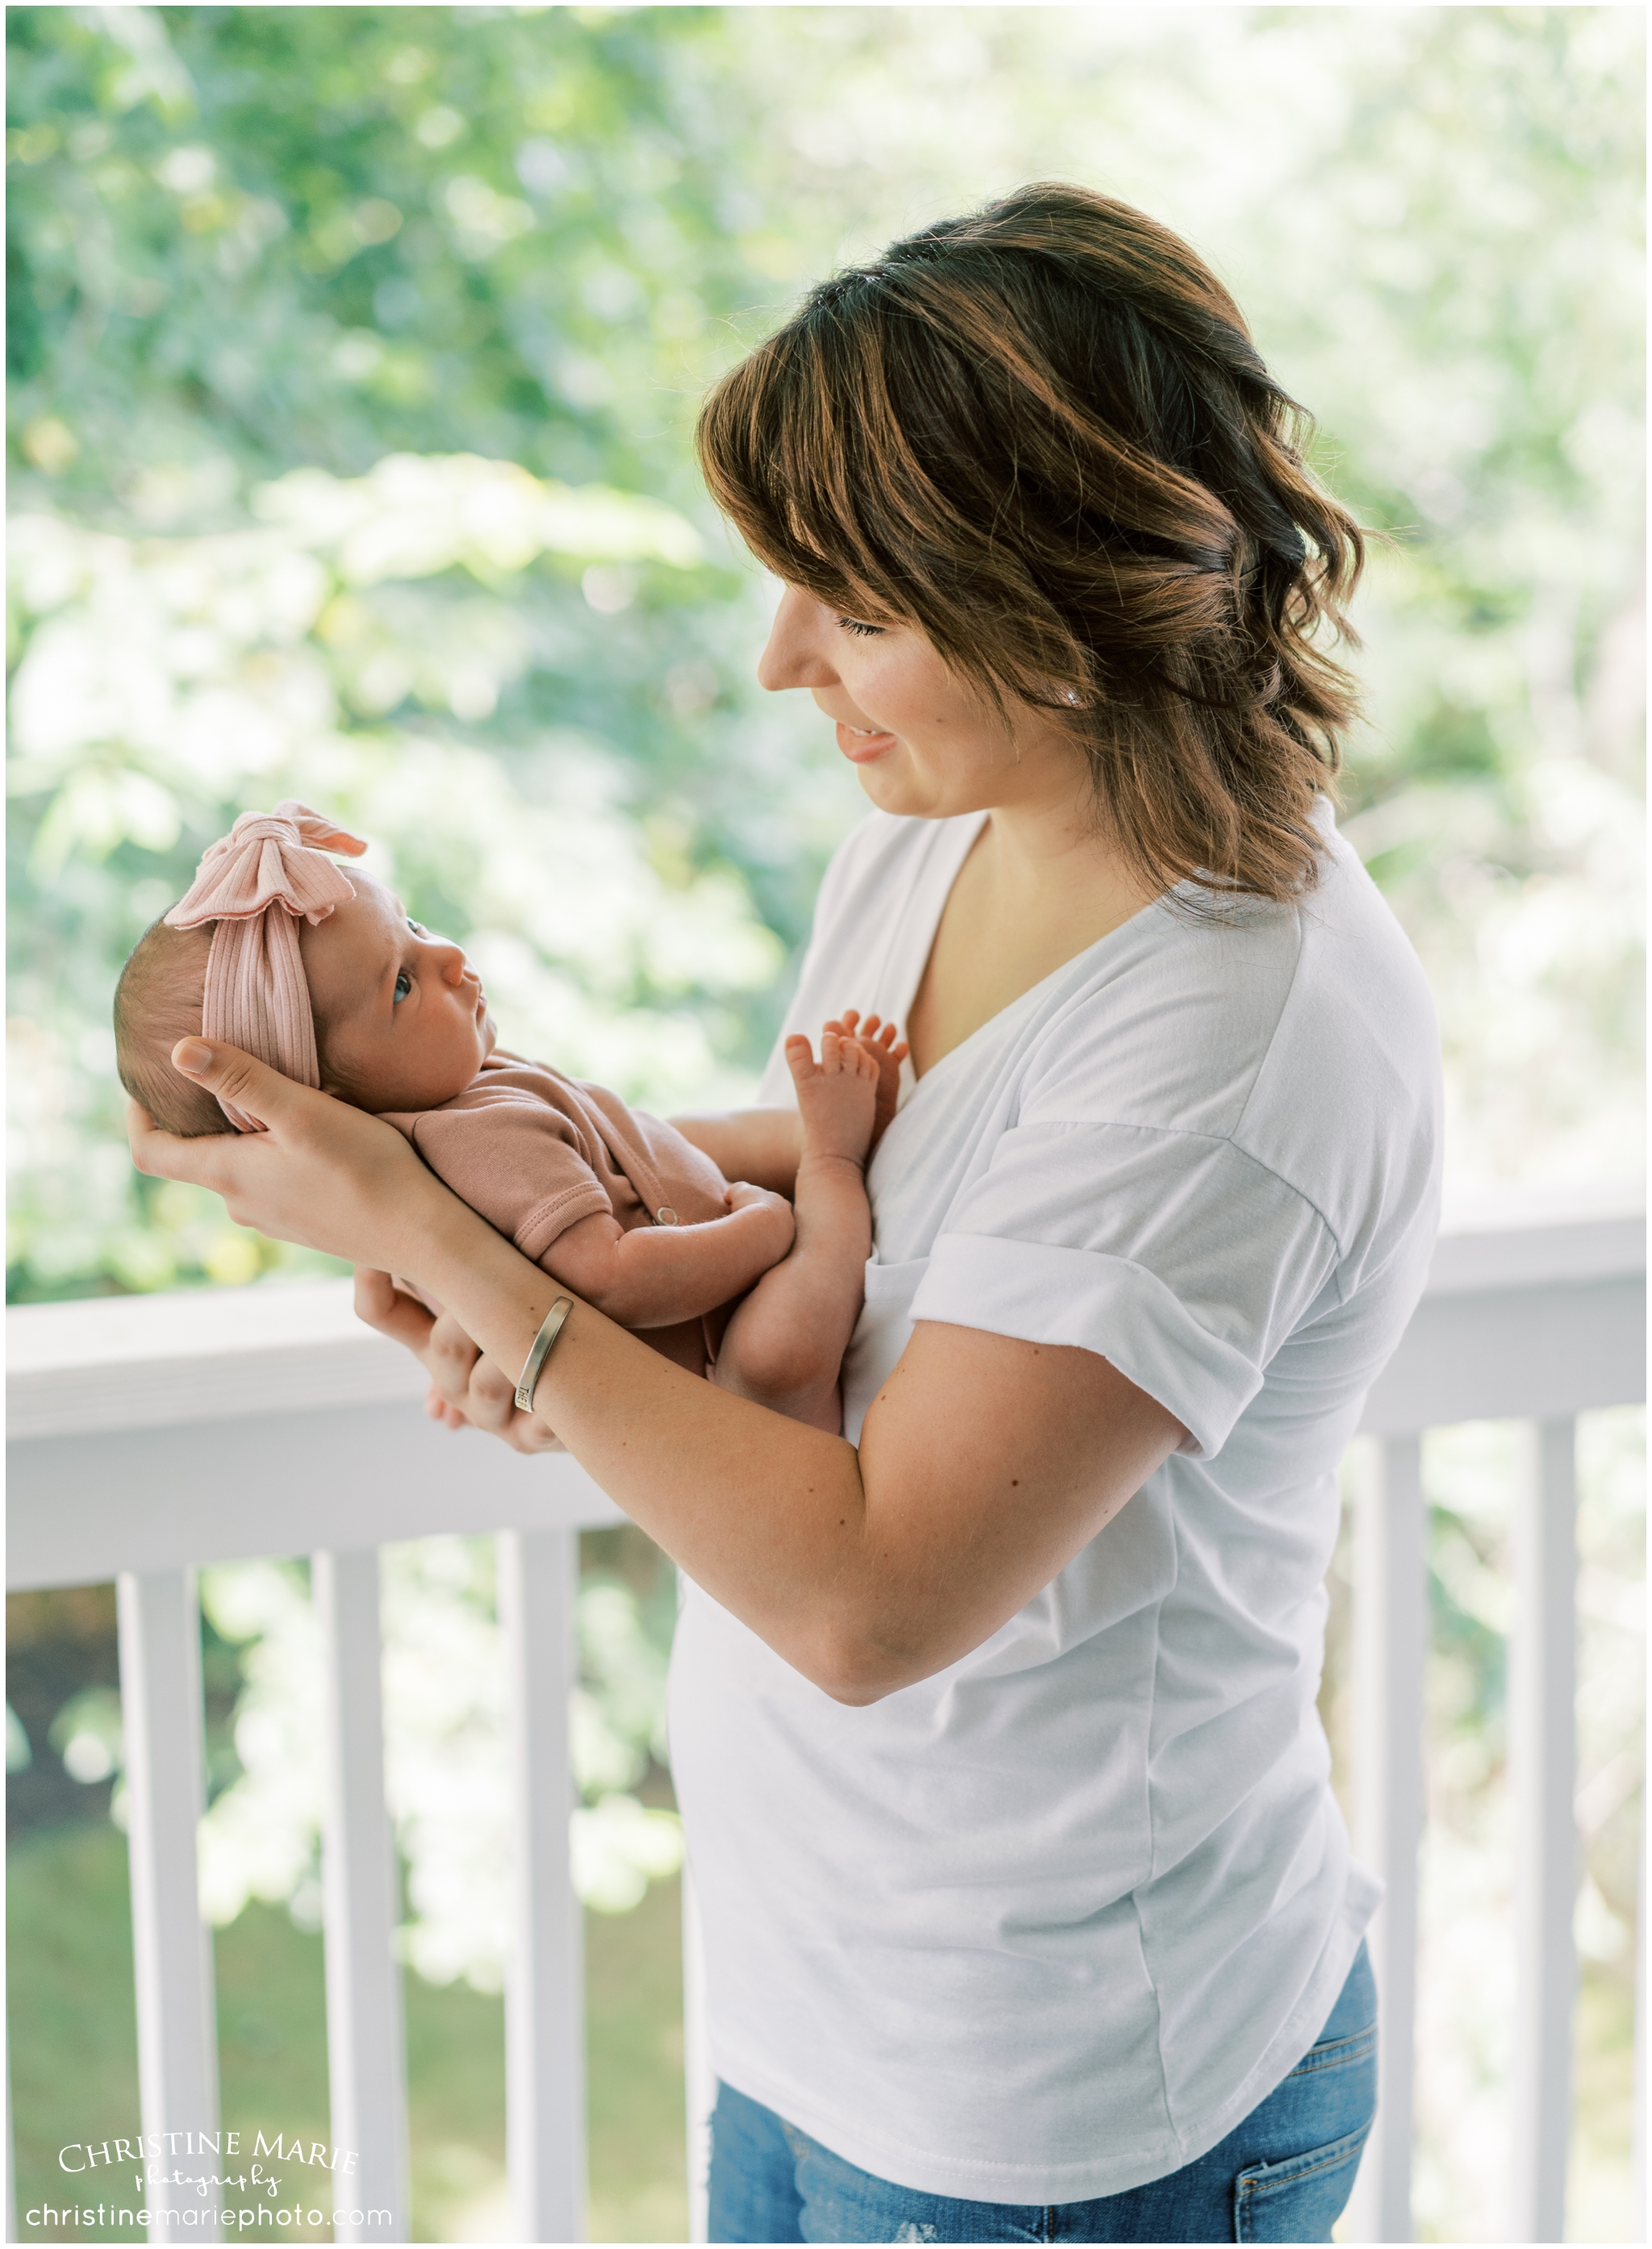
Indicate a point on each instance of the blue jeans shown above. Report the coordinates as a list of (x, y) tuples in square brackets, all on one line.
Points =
[(1284, 2174)]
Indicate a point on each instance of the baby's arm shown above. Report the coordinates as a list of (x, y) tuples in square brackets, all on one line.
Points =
[(656, 1275)]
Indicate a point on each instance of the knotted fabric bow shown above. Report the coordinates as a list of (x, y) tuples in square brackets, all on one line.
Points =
[(254, 883)]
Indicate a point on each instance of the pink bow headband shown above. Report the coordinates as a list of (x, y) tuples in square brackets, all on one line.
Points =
[(254, 883)]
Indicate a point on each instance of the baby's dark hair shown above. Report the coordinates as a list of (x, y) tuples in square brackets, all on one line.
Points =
[(159, 1001)]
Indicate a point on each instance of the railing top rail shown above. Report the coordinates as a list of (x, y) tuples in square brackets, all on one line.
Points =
[(202, 1355), (195, 1355)]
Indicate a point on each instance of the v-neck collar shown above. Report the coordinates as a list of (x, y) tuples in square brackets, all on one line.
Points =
[(962, 841), (954, 843)]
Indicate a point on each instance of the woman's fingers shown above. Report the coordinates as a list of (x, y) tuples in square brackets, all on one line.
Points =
[(452, 1358), (161, 1154), (233, 1076), (467, 1392), (527, 1434), (316, 1172), (406, 1321), (391, 1310), (490, 1404), (490, 1400), (467, 1381), (438, 1409)]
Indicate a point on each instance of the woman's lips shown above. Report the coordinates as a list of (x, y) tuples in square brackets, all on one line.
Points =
[(860, 747)]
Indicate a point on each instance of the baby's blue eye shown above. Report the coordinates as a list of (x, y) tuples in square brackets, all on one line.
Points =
[(418, 927), (403, 985)]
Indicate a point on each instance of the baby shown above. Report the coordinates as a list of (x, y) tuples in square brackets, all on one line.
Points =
[(324, 978)]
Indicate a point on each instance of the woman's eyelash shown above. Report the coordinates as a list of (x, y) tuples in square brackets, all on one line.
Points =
[(855, 625)]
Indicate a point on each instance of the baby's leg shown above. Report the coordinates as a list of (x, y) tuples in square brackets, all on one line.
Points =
[(785, 1341)]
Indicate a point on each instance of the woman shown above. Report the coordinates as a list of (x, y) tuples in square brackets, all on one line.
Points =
[(1029, 1910)]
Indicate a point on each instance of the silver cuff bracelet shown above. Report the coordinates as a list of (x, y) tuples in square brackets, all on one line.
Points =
[(539, 1352)]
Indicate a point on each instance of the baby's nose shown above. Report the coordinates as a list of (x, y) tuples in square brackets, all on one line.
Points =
[(454, 967)]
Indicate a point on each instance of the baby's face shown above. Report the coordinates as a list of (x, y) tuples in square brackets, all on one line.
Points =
[(406, 1017)]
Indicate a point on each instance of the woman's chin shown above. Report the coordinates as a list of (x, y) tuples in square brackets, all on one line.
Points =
[(893, 787)]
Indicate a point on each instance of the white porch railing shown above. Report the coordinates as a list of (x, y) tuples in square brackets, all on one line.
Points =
[(119, 1406)]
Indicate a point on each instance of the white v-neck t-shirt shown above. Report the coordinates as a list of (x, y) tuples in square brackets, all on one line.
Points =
[(1047, 1924)]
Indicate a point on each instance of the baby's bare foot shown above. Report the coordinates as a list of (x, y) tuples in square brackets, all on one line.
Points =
[(836, 1096), (877, 1039)]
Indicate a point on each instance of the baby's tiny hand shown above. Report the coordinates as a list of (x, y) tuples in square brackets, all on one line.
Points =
[(877, 1039), (743, 1196)]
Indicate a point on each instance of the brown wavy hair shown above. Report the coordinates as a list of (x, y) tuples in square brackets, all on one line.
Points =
[(1043, 436)]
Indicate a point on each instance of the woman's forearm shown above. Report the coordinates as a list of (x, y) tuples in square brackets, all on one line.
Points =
[(757, 1507), (984, 1465), (759, 1145), (767, 1515)]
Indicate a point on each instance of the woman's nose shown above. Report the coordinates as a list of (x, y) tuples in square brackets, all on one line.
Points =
[(795, 656)]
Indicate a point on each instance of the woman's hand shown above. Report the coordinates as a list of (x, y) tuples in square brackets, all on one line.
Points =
[(320, 1173), (466, 1391)]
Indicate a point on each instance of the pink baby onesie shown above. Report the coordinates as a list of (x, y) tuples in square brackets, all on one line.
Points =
[(534, 1153)]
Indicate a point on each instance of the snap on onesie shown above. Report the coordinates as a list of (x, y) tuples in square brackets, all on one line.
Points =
[(534, 1152)]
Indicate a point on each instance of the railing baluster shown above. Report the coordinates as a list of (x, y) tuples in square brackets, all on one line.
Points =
[(699, 2080), (1543, 1778), (1390, 1658), (538, 1575), (366, 2069), (171, 1948)]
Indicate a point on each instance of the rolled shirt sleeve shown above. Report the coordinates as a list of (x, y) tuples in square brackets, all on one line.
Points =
[(1175, 1256)]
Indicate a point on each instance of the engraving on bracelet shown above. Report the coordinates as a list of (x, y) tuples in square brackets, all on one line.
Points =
[(539, 1351)]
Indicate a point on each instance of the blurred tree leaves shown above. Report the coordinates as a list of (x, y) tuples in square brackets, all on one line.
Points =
[(250, 246), (320, 235), (351, 373)]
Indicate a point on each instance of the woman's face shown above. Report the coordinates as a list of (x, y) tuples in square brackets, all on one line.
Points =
[(923, 741)]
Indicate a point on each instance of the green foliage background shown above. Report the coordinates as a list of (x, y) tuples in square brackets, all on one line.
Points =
[(354, 354), (248, 243)]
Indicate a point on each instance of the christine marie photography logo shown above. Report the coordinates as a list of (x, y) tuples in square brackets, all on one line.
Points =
[(183, 2179)]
